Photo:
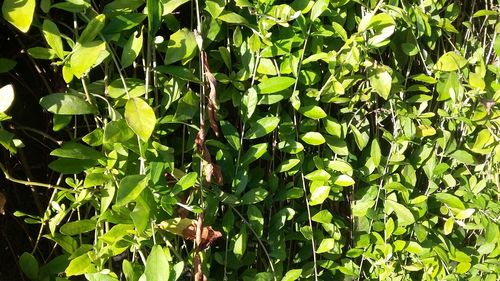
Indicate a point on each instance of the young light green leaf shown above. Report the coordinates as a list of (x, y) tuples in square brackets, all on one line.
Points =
[(313, 138), (66, 104), (274, 84), (85, 56), (450, 200), (157, 265), (344, 180), (262, 127), (375, 153), (381, 81), (131, 49), (405, 217), (6, 97), (187, 181), (287, 165), (292, 275), (79, 265), (231, 17), (140, 117), (19, 13), (326, 245), (318, 8), (92, 29), (290, 146), (448, 226), (319, 193), (323, 216), (170, 6), (450, 62), (318, 175), (130, 188), (53, 37), (313, 112), (240, 243)]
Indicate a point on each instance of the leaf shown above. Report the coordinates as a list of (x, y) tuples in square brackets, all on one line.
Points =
[(292, 275), (240, 242), (170, 6), (256, 219), (323, 216), (92, 29), (287, 165), (234, 18), (77, 151), (85, 56), (130, 188), (319, 193), (140, 118), (179, 72), (290, 146), (29, 265), (154, 12), (274, 84), (318, 8), (7, 65), (70, 166), (187, 107), (463, 156), (448, 226), (53, 37), (135, 88), (131, 49), (249, 102), (231, 134), (157, 265), (187, 181), (326, 245), (42, 53), (254, 196), (450, 61), (318, 175), (405, 217), (313, 138), (116, 132), (181, 46), (78, 227), (425, 131), (6, 97), (313, 112), (262, 127), (381, 81), (79, 265), (375, 153), (66, 104), (343, 180), (450, 200), (19, 13)]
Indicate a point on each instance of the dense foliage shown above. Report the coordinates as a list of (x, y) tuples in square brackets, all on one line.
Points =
[(252, 139)]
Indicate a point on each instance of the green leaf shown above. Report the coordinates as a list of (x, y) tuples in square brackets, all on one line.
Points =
[(313, 112), (318, 8), (375, 153), (463, 156), (78, 227), (70, 166), (313, 138), (187, 107), (42, 53), (319, 193), (77, 151), (170, 6), (29, 265), (92, 29), (66, 104), (326, 245), (80, 265), (256, 219), (405, 217), (240, 242), (234, 18), (450, 200), (181, 46), (154, 12), (6, 97), (130, 188), (7, 65), (274, 84), (450, 62), (262, 127), (19, 13), (85, 56), (323, 216), (135, 88), (157, 265), (292, 275), (254, 196), (318, 175), (187, 181), (116, 132), (287, 165), (253, 153), (381, 81), (140, 118), (425, 131), (53, 37), (179, 72), (249, 102), (231, 134), (290, 146), (343, 180), (131, 49), (448, 226)]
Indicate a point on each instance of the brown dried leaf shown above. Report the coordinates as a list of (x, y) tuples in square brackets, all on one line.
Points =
[(208, 235), (218, 174), (212, 97), (3, 201)]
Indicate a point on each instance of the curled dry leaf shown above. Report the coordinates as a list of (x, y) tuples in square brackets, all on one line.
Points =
[(208, 235), (212, 97), (3, 200)]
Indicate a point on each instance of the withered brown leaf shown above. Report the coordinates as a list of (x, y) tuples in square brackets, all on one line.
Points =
[(208, 235)]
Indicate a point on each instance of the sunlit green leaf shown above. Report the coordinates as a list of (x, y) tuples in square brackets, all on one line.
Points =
[(140, 117)]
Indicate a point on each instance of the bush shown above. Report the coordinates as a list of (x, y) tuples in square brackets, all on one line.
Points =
[(252, 140)]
